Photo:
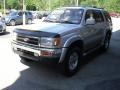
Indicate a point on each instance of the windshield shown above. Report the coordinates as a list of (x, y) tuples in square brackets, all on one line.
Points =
[(72, 16), (12, 13)]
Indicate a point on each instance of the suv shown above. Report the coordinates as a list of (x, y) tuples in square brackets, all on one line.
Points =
[(65, 35), (16, 17)]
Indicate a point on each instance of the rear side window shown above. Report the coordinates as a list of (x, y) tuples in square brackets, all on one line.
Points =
[(107, 16), (98, 16), (20, 13), (28, 13)]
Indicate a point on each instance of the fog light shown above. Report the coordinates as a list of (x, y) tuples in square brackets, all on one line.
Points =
[(36, 54)]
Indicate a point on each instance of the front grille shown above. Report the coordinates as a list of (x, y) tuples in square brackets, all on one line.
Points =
[(28, 39)]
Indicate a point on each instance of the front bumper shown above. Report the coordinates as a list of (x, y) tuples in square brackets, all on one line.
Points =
[(35, 53)]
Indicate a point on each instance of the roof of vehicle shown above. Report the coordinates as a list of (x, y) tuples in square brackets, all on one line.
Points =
[(83, 7)]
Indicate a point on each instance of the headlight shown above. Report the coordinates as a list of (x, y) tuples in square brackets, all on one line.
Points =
[(14, 36), (49, 42)]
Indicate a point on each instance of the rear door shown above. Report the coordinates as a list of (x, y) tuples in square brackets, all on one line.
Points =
[(92, 34)]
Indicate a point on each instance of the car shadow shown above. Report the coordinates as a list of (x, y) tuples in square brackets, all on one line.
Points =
[(6, 33), (95, 68)]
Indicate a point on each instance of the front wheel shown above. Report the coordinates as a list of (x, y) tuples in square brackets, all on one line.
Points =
[(29, 21), (71, 63), (12, 23)]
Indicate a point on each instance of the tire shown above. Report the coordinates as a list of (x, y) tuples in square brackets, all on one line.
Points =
[(12, 23), (106, 44), (25, 59), (71, 63), (29, 21)]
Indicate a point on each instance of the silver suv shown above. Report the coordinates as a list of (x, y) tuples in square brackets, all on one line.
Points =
[(16, 17), (64, 36)]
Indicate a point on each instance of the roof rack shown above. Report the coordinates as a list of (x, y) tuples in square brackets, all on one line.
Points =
[(97, 7)]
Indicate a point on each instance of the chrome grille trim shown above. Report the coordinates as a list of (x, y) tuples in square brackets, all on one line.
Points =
[(28, 40)]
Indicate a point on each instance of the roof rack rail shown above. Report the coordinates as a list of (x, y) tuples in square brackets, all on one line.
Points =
[(97, 7)]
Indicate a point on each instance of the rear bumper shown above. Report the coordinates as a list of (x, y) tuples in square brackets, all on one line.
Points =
[(35, 53), (2, 29)]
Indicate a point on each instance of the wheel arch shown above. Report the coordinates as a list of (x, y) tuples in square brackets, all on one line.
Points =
[(109, 32), (79, 43), (12, 20)]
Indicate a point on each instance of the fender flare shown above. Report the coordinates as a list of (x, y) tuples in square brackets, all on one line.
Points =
[(66, 46)]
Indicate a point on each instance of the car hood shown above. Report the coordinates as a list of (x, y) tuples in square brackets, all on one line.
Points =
[(49, 27), (1, 23), (7, 16)]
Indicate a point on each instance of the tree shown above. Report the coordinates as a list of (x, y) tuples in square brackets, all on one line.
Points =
[(111, 5)]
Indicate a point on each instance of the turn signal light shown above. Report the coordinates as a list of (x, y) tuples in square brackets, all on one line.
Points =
[(47, 53)]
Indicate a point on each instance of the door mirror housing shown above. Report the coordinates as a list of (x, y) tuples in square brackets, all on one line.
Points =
[(90, 21)]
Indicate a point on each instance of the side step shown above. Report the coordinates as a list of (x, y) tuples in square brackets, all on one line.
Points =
[(91, 50)]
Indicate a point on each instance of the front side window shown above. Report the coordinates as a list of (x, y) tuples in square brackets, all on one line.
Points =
[(89, 14), (72, 16)]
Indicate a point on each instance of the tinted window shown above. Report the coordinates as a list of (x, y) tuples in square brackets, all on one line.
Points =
[(25, 13), (88, 14), (29, 13), (98, 16), (20, 13), (107, 16)]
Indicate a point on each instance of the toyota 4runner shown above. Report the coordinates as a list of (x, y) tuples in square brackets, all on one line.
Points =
[(64, 36)]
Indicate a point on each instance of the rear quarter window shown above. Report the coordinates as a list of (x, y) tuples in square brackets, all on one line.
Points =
[(107, 16), (98, 16)]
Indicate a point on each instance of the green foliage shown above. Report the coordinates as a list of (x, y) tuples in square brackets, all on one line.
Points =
[(12, 4), (111, 5)]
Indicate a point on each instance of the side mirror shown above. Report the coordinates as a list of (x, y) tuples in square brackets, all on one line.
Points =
[(90, 21)]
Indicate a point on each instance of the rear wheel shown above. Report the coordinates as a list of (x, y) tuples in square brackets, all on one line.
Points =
[(29, 21), (71, 63), (12, 22), (106, 42)]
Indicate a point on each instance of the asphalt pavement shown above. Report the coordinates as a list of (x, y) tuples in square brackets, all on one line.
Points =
[(100, 71)]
